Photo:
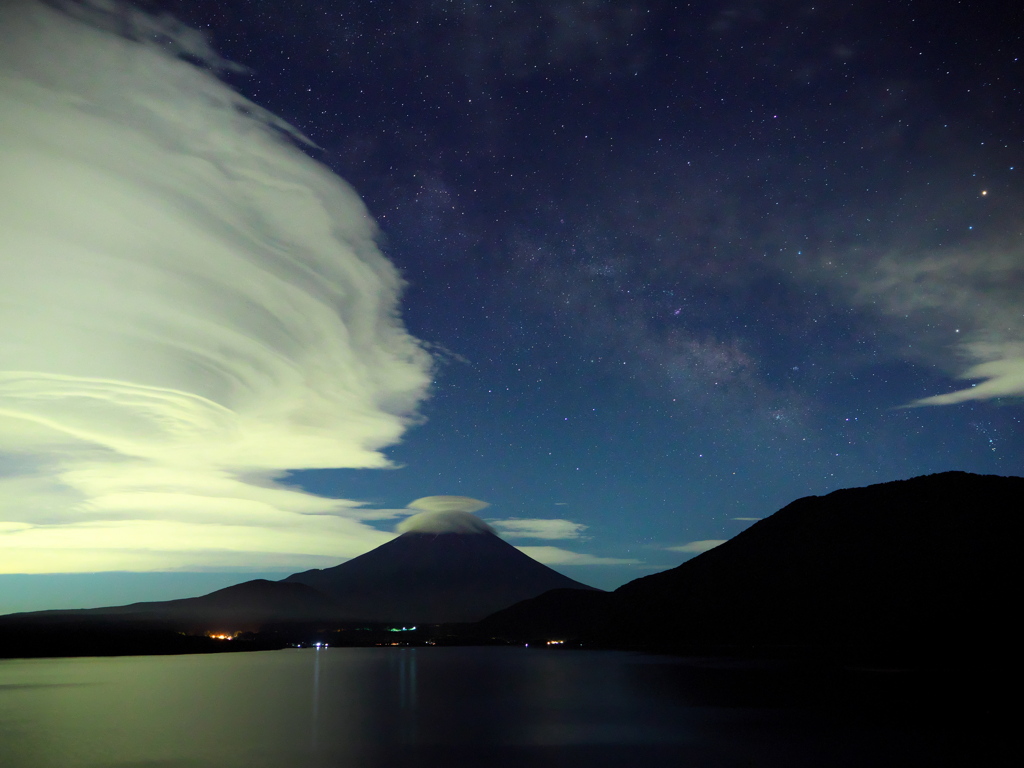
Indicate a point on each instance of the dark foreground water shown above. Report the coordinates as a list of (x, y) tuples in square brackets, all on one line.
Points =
[(368, 707)]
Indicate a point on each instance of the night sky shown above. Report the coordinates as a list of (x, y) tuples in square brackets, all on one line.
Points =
[(677, 265)]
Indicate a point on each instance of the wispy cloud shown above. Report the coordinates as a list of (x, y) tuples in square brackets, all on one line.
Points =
[(528, 528), (192, 306), (1003, 377), (697, 547), (559, 556), (960, 309)]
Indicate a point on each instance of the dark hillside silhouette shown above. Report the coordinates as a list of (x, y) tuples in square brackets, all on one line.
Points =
[(929, 564)]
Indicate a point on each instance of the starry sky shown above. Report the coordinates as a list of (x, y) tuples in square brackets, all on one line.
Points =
[(674, 265)]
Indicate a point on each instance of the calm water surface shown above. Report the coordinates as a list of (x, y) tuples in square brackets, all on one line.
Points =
[(425, 707)]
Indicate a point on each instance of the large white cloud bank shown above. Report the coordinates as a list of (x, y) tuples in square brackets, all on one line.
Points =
[(189, 307)]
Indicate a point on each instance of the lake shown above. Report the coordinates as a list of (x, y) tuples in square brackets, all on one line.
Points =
[(368, 707)]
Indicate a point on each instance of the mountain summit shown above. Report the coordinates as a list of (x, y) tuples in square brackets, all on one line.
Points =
[(446, 566)]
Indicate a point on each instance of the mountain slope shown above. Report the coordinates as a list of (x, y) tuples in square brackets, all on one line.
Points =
[(246, 606), (435, 578), (929, 561), (417, 578)]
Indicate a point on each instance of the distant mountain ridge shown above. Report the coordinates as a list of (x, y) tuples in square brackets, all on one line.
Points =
[(249, 606), (427, 578), (930, 561), (923, 567)]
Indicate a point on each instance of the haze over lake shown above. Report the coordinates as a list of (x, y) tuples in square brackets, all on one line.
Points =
[(437, 706)]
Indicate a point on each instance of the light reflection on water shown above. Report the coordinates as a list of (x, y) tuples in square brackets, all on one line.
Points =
[(417, 707), (314, 719)]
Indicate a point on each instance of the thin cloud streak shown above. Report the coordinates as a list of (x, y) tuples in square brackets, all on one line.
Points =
[(528, 528), (192, 307), (696, 547), (559, 556), (1003, 378)]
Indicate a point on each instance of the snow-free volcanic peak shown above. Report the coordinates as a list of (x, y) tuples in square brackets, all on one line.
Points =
[(447, 566)]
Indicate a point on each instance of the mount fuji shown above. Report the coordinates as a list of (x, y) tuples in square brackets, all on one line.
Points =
[(446, 567)]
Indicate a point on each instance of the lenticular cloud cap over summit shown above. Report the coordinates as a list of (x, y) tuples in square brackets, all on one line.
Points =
[(445, 514), (450, 521), (448, 504)]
